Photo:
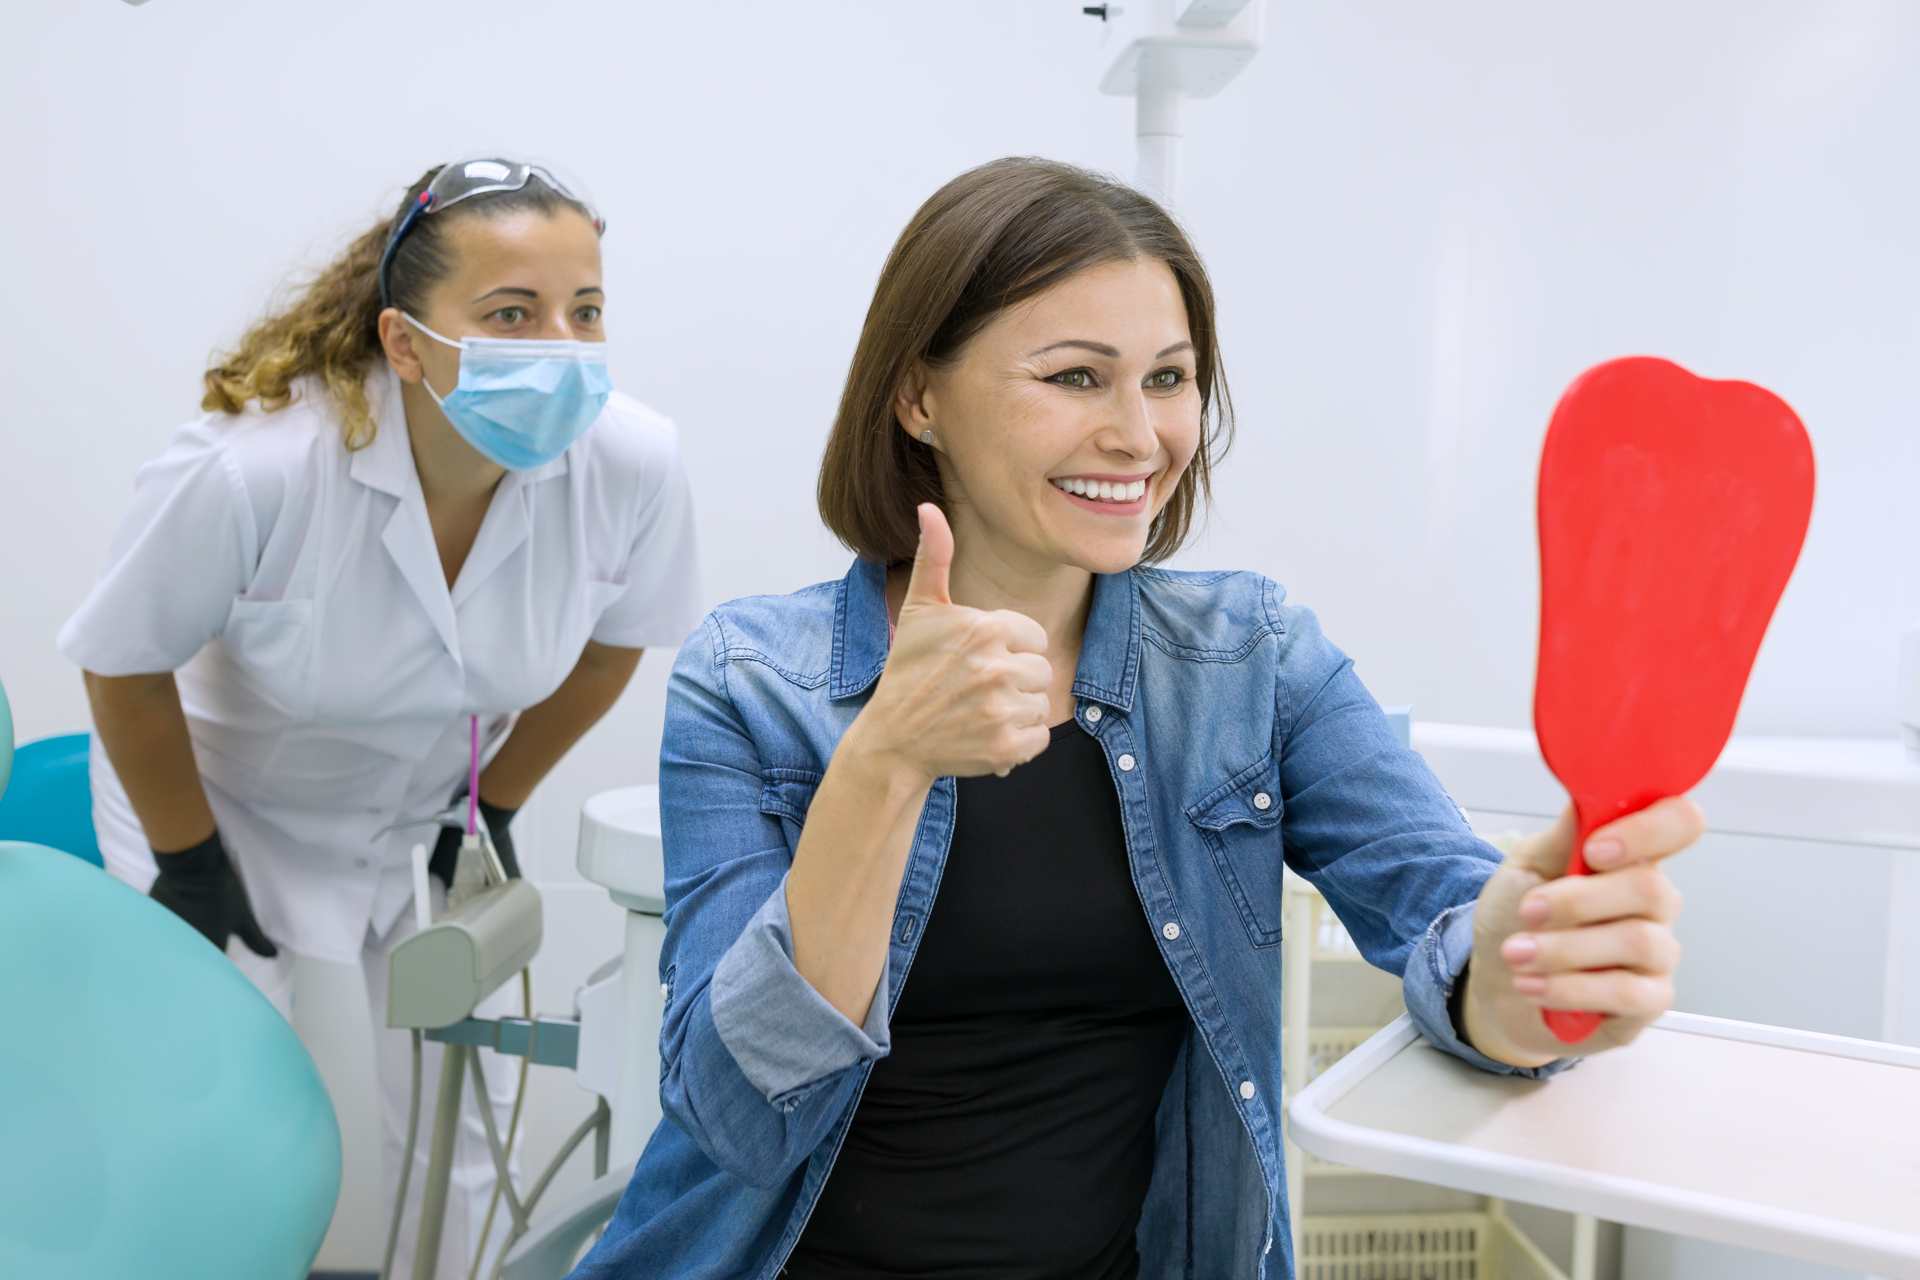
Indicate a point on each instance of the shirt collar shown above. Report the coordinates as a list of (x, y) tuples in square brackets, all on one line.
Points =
[(1109, 651)]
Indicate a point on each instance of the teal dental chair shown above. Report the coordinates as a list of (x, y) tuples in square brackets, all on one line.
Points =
[(158, 1117)]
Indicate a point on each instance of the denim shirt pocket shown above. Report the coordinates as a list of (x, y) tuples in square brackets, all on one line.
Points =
[(787, 794), (1239, 821)]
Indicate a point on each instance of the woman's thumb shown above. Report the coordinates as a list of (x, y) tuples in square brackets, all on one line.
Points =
[(933, 560)]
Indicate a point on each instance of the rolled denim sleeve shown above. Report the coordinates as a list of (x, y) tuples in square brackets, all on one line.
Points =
[(786, 1036), (756, 1067), (1432, 973)]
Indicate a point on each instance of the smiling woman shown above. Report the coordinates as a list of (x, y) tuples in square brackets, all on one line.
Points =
[(1057, 784), (1136, 312)]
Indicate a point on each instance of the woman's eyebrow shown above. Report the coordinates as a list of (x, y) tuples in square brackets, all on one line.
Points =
[(1101, 348), (512, 289)]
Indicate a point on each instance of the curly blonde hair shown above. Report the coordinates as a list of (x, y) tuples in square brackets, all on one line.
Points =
[(331, 329)]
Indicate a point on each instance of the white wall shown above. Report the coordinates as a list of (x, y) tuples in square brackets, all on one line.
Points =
[(1423, 220), (1428, 217)]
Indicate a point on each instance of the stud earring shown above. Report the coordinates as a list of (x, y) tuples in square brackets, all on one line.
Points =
[(926, 437)]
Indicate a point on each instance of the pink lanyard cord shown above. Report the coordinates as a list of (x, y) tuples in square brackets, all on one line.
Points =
[(473, 777)]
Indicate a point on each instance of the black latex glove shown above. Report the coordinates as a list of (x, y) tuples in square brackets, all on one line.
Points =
[(446, 850), (199, 886)]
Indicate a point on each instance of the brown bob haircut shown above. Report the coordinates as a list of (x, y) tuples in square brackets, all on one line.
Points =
[(993, 237)]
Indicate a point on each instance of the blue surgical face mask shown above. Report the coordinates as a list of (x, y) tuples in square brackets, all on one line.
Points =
[(522, 401)]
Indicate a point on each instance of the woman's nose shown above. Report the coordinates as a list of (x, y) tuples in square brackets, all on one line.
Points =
[(558, 326), (1130, 429)]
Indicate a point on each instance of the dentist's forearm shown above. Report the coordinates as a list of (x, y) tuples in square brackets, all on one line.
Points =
[(546, 731), (144, 732)]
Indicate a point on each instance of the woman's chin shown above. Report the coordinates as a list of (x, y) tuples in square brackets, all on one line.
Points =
[(1110, 554)]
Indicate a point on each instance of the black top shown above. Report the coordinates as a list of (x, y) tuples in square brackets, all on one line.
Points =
[(1009, 1133)]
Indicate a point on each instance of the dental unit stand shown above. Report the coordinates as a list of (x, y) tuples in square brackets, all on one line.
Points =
[(1171, 50), (620, 1009), (436, 980)]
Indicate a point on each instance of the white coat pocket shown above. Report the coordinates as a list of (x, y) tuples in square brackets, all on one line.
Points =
[(270, 646)]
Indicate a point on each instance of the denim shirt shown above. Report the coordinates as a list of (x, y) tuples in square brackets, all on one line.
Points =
[(1237, 736)]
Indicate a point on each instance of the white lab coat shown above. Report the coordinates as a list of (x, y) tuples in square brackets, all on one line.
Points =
[(326, 670), (327, 673)]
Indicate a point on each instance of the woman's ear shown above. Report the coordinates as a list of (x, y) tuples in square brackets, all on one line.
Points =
[(913, 406), (397, 339)]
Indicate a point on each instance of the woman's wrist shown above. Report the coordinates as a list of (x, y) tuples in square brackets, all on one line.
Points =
[(864, 754), (198, 858), (1479, 1027), (497, 815)]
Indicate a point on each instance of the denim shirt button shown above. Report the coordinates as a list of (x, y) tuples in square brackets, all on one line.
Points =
[(1126, 764), (1093, 715), (1246, 1090), (1170, 931), (1262, 801)]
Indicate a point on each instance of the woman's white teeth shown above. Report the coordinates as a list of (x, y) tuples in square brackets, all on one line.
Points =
[(1104, 490)]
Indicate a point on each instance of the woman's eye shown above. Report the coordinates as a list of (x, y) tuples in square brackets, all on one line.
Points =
[(509, 315), (587, 315), (1079, 379), (1167, 379)]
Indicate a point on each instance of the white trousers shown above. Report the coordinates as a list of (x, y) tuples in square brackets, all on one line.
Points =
[(473, 1178)]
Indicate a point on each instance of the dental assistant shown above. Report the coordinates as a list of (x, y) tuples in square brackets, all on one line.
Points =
[(413, 499)]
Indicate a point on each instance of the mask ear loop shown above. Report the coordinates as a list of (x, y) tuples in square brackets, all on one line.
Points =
[(444, 341)]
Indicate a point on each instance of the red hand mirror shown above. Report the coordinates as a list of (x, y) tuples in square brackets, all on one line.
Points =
[(1672, 509)]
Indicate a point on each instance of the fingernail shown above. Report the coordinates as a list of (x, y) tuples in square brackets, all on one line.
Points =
[(1529, 984), (1605, 853), (1533, 910), (1519, 949)]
